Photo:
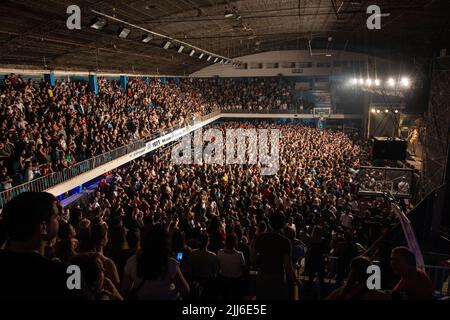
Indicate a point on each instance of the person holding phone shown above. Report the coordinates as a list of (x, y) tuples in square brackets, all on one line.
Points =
[(152, 274)]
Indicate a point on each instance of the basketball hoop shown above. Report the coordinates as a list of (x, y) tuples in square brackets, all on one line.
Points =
[(321, 113)]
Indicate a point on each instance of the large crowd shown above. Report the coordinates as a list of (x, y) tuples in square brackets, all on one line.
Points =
[(156, 230), (44, 129)]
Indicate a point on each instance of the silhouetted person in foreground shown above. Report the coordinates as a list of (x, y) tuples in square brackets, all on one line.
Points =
[(30, 221)]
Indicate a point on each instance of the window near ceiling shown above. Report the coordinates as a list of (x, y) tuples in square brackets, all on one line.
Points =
[(288, 65), (242, 66), (272, 65), (323, 64), (256, 65), (304, 65)]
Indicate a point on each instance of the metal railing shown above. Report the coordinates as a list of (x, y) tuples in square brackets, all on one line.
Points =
[(440, 278), (53, 179), (270, 111)]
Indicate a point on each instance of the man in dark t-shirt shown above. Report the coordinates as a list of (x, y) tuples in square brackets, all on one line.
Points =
[(273, 259), (31, 219)]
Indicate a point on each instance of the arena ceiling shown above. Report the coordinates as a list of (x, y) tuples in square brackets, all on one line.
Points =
[(34, 33)]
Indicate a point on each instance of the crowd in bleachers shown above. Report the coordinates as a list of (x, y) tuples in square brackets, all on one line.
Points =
[(44, 129), (155, 230), (258, 95)]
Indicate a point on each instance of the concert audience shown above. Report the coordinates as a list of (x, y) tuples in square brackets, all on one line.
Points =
[(232, 217), (45, 129)]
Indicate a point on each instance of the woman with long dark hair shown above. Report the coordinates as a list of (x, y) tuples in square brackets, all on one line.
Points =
[(152, 274)]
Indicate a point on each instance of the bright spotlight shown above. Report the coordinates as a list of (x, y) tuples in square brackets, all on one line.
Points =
[(405, 82), (369, 82), (373, 110), (354, 81), (386, 110), (378, 111), (377, 82), (391, 82), (396, 111), (361, 81)]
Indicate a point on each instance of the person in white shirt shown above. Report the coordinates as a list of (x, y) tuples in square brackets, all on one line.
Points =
[(346, 219), (232, 267), (354, 204), (291, 224)]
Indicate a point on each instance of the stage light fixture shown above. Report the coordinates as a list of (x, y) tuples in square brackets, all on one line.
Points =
[(146, 38), (98, 23), (216, 59), (354, 81), (405, 82), (361, 81), (378, 111), (123, 32), (228, 14), (396, 111), (201, 55), (391, 82), (167, 44), (386, 110), (180, 49), (191, 53), (377, 82), (369, 82), (373, 110), (209, 58)]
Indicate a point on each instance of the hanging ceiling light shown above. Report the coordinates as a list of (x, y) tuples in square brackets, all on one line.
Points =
[(98, 23), (167, 44), (146, 38), (123, 32)]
